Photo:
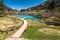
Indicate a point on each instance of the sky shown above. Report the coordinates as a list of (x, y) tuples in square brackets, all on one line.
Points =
[(22, 4)]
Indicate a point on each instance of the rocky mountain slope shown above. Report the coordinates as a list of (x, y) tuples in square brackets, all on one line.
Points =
[(44, 5)]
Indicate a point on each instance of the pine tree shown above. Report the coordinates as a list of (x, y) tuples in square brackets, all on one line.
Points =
[(52, 6), (1, 7)]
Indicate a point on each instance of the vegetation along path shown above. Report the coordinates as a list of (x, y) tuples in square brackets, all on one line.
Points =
[(18, 34)]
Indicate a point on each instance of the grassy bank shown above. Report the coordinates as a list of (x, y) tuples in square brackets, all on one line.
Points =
[(37, 30)]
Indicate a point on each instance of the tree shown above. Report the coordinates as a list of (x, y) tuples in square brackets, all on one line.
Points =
[(22, 10), (1, 7), (52, 6)]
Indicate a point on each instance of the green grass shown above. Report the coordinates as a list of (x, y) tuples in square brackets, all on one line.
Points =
[(3, 37), (42, 10), (32, 33)]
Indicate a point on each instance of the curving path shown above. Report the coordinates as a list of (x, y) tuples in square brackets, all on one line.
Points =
[(19, 33)]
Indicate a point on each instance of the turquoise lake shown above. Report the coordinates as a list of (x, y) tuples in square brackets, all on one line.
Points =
[(28, 17)]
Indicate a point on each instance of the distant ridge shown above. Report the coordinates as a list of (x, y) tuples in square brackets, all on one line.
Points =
[(9, 9), (44, 5)]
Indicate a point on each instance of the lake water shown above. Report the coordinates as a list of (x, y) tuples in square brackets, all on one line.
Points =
[(28, 17)]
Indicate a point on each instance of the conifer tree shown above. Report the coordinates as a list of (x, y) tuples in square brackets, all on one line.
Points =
[(52, 6), (1, 7)]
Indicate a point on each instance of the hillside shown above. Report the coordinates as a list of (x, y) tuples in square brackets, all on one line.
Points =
[(45, 5), (7, 10)]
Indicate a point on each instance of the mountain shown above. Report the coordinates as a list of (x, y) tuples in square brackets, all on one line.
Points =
[(44, 5), (6, 10), (48, 2), (9, 9), (4, 7)]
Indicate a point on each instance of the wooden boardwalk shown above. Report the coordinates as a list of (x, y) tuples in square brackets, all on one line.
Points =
[(18, 34)]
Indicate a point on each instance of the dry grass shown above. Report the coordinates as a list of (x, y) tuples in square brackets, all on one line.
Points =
[(7, 22), (48, 31), (8, 26)]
